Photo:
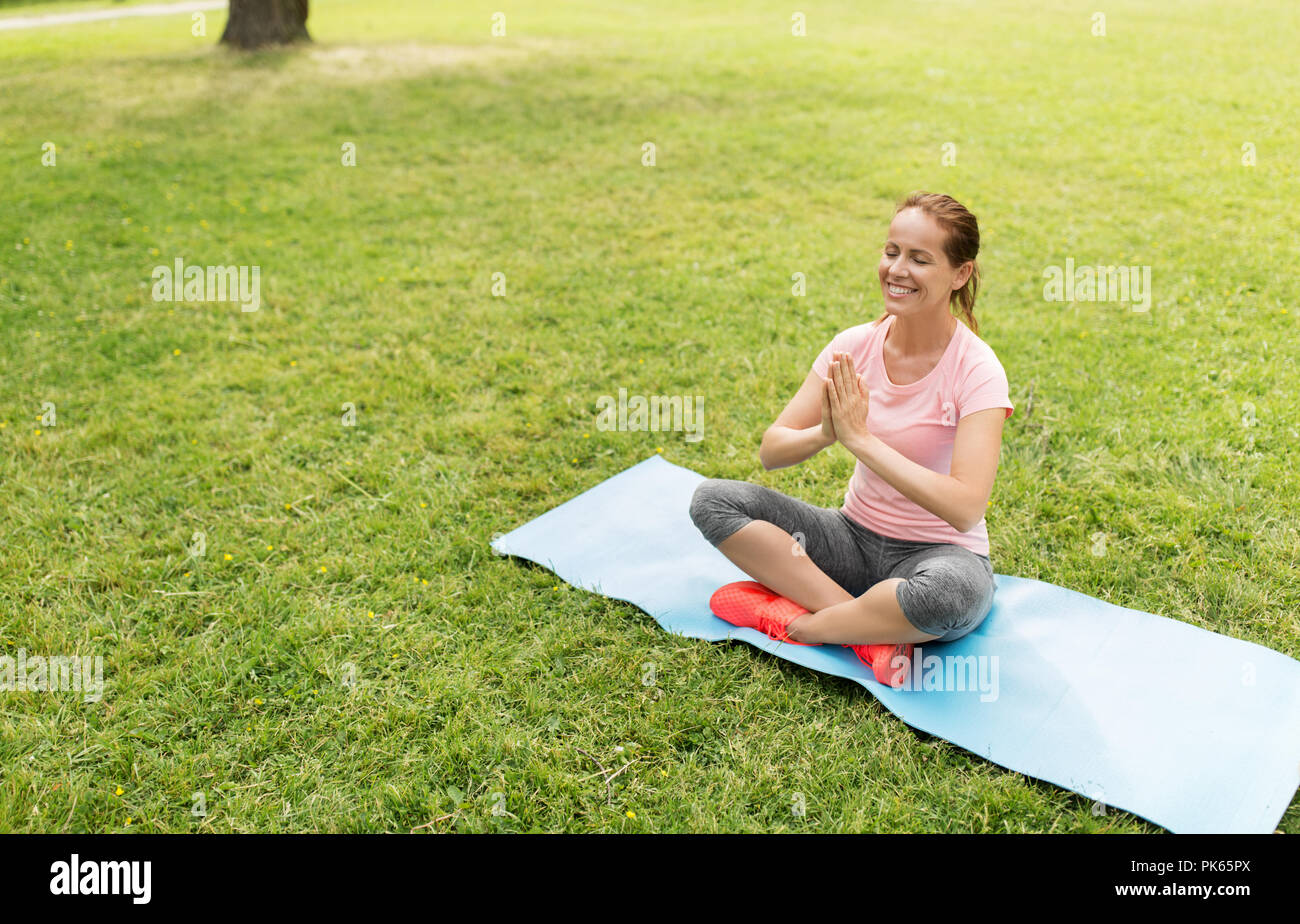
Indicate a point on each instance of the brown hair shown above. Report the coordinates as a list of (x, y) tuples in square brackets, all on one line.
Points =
[(962, 245)]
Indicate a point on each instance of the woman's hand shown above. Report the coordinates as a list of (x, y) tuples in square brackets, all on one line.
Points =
[(849, 401), (828, 425)]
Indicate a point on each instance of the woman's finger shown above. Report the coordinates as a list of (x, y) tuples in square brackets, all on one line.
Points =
[(828, 419)]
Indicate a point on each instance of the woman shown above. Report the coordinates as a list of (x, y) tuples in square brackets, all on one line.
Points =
[(919, 399)]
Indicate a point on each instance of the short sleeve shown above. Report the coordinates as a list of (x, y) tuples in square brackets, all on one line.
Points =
[(985, 387), (840, 343), (822, 364)]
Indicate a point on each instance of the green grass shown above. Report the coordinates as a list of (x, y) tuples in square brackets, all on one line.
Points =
[(521, 155)]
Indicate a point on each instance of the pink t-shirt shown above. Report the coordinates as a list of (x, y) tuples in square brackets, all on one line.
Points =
[(920, 421)]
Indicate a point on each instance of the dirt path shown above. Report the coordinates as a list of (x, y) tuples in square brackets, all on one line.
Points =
[(147, 9)]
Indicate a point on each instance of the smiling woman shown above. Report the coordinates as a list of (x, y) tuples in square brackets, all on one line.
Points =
[(919, 399), (939, 234)]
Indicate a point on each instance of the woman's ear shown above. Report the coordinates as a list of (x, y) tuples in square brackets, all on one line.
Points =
[(963, 274)]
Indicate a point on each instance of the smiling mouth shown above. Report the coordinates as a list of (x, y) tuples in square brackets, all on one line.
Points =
[(899, 291)]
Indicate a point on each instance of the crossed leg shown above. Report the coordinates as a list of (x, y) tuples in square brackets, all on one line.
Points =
[(766, 552)]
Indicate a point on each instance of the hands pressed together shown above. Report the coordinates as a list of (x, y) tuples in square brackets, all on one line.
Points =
[(844, 403)]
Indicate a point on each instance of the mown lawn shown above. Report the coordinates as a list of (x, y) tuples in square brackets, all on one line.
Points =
[(348, 654)]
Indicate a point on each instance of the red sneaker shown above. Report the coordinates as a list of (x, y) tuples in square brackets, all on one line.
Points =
[(750, 604), (880, 659)]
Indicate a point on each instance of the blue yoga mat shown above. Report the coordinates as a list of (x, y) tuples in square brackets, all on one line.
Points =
[(1191, 730)]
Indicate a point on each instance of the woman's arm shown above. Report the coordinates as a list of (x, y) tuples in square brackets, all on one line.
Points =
[(960, 498), (800, 431)]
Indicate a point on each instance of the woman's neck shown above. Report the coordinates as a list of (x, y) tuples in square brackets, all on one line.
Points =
[(921, 335)]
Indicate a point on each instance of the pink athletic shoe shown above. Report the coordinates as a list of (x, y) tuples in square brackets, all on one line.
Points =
[(750, 604), (880, 657)]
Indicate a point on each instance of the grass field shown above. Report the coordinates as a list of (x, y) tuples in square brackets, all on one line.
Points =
[(348, 654)]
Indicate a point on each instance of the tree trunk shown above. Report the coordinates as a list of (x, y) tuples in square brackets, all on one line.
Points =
[(254, 23)]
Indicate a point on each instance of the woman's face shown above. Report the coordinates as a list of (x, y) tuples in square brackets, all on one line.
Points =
[(915, 275)]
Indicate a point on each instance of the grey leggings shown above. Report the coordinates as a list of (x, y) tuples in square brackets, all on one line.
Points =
[(947, 591)]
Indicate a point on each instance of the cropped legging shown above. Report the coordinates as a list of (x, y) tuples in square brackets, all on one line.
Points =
[(947, 589)]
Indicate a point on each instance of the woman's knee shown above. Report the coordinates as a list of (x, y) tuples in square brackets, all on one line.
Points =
[(947, 595), (704, 500), (716, 508)]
